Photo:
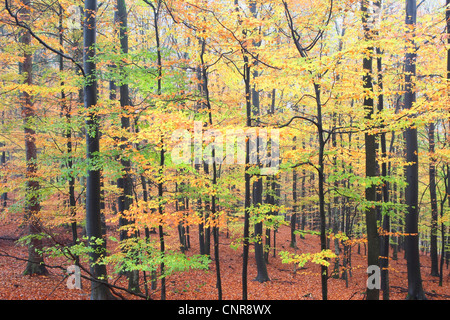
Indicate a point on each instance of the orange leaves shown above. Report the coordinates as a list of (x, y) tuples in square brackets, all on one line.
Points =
[(383, 232), (145, 214), (286, 283)]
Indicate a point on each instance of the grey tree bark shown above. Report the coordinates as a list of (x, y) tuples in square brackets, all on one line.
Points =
[(434, 206), (125, 182), (99, 289), (415, 290), (32, 206)]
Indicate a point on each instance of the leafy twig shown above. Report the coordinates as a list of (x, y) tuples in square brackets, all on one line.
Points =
[(35, 36)]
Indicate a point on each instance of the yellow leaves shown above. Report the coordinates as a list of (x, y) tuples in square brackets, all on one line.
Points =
[(146, 214), (443, 154), (301, 259), (383, 232), (340, 236)]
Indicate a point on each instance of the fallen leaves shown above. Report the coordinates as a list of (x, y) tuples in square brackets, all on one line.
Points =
[(287, 281)]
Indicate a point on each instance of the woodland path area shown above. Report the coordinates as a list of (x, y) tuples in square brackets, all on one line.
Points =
[(286, 282)]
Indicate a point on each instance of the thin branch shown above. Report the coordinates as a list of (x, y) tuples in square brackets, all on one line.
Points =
[(297, 117), (302, 164), (244, 49), (320, 34), (67, 253), (420, 4), (35, 36)]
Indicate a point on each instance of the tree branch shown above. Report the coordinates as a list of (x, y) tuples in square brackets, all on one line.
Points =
[(35, 36), (297, 117)]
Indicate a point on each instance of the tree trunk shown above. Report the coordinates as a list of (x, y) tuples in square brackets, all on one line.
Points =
[(321, 161), (99, 288), (394, 224), (4, 197), (262, 274), (415, 290), (160, 227), (321, 174), (445, 253), (207, 217), (35, 264), (371, 163), (434, 207), (214, 177), (68, 135), (303, 195), (247, 201), (125, 183), (384, 248), (334, 212), (198, 159), (294, 205), (444, 237), (156, 11), (261, 267)]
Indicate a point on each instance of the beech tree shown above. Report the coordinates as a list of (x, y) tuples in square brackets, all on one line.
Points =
[(99, 290), (415, 290), (32, 208), (125, 183), (322, 135), (370, 148)]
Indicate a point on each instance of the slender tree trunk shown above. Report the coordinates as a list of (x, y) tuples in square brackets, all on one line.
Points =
[(415, 290), (261, 266), (294, 206), (321, 161), (68, 135), (180, 205), (371, 164), (303, 195), (32, 204), (247, 201), (321, 174), (384, 239), (323, 237), (4, 197), (445, 253), (147, 233), (445, 238), (198, 159), (156, 11), (384, 249), (125, 182), (214, 176), (334, 212), (207, 203), (395, 224), (262, 274), (160, 227), (99, 289), (434, 207), (207, 217)]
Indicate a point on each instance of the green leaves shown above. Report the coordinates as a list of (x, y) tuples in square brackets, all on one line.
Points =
[(27, 240), (138, 254), (301, 259)]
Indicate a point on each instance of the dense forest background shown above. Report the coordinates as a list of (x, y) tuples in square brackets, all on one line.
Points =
[(173, 149)]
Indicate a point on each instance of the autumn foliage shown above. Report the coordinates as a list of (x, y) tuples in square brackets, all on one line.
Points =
[(181, 77)]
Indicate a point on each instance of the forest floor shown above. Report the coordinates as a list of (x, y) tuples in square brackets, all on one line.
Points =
[(286, 281)]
